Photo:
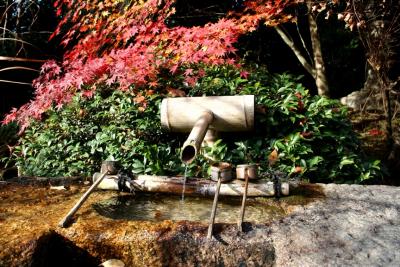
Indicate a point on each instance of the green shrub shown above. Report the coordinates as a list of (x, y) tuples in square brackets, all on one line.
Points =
[(74, 140), (8, 138), (311, 135)]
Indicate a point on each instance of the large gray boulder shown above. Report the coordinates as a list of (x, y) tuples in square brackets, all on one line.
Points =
[(353, 226)]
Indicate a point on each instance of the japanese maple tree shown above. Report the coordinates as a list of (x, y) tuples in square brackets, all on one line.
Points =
[(128, 44)]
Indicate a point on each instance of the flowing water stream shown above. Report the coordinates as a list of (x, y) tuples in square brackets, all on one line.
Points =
[(184, 183)]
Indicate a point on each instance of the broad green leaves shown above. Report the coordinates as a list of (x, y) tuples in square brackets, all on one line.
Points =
[(308, 136)]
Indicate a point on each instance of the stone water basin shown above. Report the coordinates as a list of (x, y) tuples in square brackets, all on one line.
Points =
[(150, 207), (30, 237)]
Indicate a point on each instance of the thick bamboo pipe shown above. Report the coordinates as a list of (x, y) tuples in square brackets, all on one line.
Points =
[(231, 113), (194, 186), (192, 145), (196, 114)]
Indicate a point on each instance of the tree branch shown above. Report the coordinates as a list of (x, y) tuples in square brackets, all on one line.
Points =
[(7, 81), (3, 58), (304, 43), (18, 68), (319, 65), (289, 42)]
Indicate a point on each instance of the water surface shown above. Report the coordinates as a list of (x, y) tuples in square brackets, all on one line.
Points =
[(153, 207)]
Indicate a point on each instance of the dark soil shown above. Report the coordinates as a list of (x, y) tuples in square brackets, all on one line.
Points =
[(371, 128)]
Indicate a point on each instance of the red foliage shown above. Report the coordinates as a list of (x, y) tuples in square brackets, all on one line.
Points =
[(129, 45), (375, 132)]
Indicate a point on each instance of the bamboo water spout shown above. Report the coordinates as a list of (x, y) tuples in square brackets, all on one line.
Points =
[(192, 145), (199, 114)]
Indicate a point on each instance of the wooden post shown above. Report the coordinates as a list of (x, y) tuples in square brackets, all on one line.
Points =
[(214, 209), (65, 221), (241, 216)]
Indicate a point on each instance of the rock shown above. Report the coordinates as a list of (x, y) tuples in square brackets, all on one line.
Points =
[(361, 100), (60, 187), (354, 226), (228, 247), (113, 263), (335, 225)]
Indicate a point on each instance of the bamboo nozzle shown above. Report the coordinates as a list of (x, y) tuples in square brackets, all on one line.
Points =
[(192, 145)]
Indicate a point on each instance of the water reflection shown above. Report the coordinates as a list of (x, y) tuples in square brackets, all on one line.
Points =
[(169, 207)]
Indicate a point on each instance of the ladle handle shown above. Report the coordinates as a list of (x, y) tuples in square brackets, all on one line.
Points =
[(214, 208), (64, 222), (241, 216)]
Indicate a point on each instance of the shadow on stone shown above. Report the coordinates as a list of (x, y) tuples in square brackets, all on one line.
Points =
[(247, 227), (227, 248), (55, 250)]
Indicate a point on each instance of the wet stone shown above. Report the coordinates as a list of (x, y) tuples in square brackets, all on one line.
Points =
[(53, 249), (228, 247), (318, 225)]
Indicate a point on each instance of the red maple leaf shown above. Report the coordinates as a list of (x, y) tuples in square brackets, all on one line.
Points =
[(375, 132)]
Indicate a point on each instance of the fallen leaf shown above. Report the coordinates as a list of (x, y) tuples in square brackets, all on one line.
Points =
[(175, 92), (298, 169), (273, 157)]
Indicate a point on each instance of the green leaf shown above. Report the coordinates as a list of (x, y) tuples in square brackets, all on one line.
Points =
[(345, 161)]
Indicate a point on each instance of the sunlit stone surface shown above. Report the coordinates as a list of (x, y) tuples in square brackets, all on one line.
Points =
[(317, 226)]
